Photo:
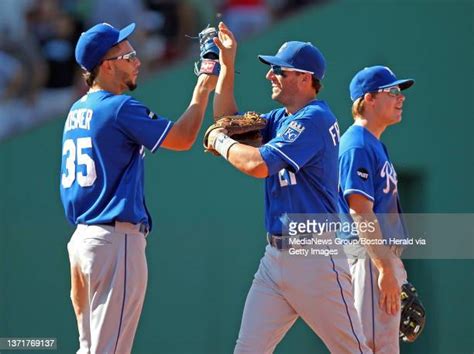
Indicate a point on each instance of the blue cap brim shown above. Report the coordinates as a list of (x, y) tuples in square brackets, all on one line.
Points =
[(272, 60), (125, 32), (403, 84)]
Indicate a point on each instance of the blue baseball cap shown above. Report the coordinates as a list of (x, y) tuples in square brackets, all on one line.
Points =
[(373, 78), (298, 55), (96, 41)]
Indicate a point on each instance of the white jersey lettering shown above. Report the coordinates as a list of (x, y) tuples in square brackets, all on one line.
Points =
[(388, 172), (335, 133), (79, 118)]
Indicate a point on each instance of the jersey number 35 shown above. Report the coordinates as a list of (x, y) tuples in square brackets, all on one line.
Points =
[(77, 157)]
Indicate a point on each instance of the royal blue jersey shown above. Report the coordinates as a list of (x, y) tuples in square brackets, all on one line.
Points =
[(102, 170), (365, 169), (301, 155)]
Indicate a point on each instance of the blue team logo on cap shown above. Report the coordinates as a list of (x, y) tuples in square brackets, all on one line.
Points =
[(293, 131)]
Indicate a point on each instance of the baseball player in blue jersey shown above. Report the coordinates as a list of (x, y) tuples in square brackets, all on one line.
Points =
[(299, 163), (102, 186), (368, 192)]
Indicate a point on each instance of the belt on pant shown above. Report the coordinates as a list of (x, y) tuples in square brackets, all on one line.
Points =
[(283, 242), (127, 227)]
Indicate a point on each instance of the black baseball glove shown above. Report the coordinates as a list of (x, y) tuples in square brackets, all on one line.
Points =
[(413, 315), (208, 62)]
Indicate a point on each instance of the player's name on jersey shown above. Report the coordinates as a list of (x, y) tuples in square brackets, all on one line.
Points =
[(79, 119)]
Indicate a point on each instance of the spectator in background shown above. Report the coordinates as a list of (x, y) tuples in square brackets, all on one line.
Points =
[(11, 80), (179, 20), (18, 42), (116, 12), (56, 32), (36, 37), (11, 77), (149, 44), (22, 72), (284, 8), (12, 18), (245, 17)]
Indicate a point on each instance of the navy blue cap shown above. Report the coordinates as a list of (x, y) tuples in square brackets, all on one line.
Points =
[(373, 78), (96, 41), (298, 55)]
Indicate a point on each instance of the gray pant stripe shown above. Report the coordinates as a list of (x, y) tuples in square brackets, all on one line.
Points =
[(124, 293), (345, 303)]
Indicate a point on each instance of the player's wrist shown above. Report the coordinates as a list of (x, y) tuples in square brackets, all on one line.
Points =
[(205, 85), (228, 65), (222, 144), (385, 264)]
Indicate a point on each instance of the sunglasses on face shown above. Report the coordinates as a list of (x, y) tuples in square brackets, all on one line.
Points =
[(392, 91), (278, 70), (131, 56)]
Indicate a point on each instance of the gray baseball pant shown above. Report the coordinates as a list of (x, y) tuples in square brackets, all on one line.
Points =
[(316, 288), (108, 284), (380, 328)]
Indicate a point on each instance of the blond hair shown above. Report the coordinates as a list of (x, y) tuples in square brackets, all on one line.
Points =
[(358, 106)]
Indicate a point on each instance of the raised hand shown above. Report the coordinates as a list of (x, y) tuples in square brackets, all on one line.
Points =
[(227, 45)]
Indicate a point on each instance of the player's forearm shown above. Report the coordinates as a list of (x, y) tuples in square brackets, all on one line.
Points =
[(380, 254), (185, 131), (224, 100), (248, 160), (193, 117)]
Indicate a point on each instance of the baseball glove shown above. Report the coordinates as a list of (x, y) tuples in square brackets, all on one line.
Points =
[(243, 128), (413, 314), (208, 62)]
